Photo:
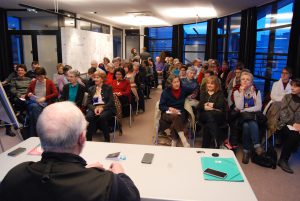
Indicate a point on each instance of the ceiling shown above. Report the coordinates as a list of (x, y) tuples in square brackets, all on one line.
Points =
[(157, 12)]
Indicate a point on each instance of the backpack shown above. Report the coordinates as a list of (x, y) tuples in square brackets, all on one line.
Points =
[(267, 159)]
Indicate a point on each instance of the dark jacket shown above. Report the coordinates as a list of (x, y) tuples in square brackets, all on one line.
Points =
[(64, 177), (168, 100), (107, 96), (217, 98), (79, 96)]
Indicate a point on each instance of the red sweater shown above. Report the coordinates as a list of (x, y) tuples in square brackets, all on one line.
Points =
[(109, 78), (123, 87), (51, 91)]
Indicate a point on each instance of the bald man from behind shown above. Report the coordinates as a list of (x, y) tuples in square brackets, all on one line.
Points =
[(62, 174)]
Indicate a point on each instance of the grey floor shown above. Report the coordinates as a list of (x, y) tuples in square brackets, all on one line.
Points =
[(267, 184)]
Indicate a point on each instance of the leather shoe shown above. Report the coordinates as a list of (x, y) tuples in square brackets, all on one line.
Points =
[(285, 166), (10, 133), (246, 157)]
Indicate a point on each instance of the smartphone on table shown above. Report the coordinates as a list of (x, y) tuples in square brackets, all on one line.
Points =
[(215, 173)]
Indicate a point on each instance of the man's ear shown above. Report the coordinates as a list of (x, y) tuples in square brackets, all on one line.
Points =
[(82, 138)]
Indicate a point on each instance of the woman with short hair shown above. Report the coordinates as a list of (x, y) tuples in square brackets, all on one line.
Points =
[(173, 114), (101, 106), (248, 101), (73, 91)]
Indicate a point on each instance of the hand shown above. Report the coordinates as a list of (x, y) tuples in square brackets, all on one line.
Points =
[(116, 168), (211, 105), (95, 165), (173, 110), (41, 100), (98, 110), (297, 126), (30, 94), (242, 89), (22, 96), (206, 107)]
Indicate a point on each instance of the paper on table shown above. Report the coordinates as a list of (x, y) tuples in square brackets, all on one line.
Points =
[(227, 165)]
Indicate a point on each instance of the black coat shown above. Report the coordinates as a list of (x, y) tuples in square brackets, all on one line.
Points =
[(107, 96), (63, 176), (79, 96)]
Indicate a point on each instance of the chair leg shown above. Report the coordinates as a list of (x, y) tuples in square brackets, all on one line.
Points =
[(137, 107), (115, 128), (130, 115)]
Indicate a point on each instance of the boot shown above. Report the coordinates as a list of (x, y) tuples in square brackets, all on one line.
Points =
[(174, 143), (9, 132), (246, 157), (285, 166), (183, 139)]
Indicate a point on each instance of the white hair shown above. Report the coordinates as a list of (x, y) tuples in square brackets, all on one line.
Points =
[(59, 126)]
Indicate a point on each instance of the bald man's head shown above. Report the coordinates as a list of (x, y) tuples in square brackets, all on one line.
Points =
[(59, 127)]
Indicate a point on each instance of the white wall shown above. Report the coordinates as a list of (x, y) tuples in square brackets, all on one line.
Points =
[(79, 47)]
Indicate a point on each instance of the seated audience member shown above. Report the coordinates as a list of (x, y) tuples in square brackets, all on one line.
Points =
[(138, 79), (197, 65), (117, 62), (41, 92), (90, 82), (234, 82), (153, 67), (110, 73), (159, 66), (62, 174), (173, 114), (102, 66), (60, 73), (18, 89), (11, 75), (232, 73), (191, 83), (101, 107), (130, 76), (182, 72), (211, 112), (62, 80), (279, 90), (247, 101), (223, 74), (121, 88), (289, 125), (31, 73), (73, 91), (206, 74)]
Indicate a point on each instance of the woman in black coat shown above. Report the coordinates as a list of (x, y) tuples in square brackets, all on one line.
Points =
[(101, 107), (211, 111)]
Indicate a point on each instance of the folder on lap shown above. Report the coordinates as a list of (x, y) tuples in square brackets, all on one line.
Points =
[(227, 165)]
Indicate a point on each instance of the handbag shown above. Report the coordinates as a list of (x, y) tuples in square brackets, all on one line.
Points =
[(267, 159)]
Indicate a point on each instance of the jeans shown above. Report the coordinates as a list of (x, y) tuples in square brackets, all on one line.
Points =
[(250, 134), (34, 111)]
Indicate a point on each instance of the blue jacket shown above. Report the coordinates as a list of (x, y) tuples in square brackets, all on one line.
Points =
[(168, 100)]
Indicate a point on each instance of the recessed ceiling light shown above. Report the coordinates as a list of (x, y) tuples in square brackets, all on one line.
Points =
[(202, 12)]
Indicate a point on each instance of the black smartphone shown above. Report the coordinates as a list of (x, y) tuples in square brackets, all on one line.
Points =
[(215, 173), (16, 151), (113, 156), (147, 158)]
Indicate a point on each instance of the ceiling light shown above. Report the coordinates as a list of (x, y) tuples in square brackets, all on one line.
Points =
[(139, 21), (202, 12)]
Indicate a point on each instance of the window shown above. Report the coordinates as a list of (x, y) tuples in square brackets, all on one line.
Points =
[(272, 38), (272, 42), (194, 41), (229, 39), (160, 39), (13, 23), (117, 42)]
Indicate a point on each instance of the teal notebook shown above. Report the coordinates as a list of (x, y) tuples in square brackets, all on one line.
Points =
[(227, 165)]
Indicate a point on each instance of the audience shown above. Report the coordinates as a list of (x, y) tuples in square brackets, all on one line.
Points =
[(173, 114), (73, 91), (101, 107), (289, 125), (41, 92), (211, 112), (31, 73), (61, 171), (247, 101)]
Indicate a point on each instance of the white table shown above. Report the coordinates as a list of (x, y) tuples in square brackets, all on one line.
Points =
[(175, 173)]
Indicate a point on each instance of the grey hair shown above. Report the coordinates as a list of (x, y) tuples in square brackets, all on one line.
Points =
[(59, 127), (135, 64), (190, 69), (110, 65), (74, 72), (247, 73)]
